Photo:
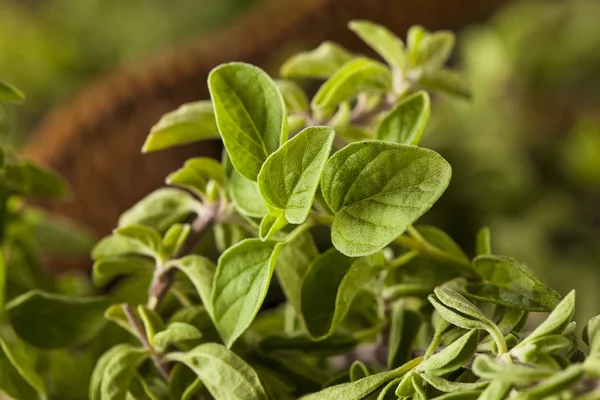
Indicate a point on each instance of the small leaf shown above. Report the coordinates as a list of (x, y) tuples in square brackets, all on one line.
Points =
[(406, 122), (114, 371), (116, 314), (462, 395), (270, 225), (32, 180), (556, 321), (559, 382), (10, 94), (189, 123), (106, 269), (360, 389), (292, 263), (200, 271), (446, 81), (174, 333), (194, 173), (486, 367), (483, 246), (23, 359), (294, 96), (414, 37), (329, 287), (357, 76), (547, 344), (453, 357), (508, 274), (160, 209), (382, 40), (153, 323), (321, 62), (377, 190), (246, 196), (250, 113), (405, 326), (358, 370), (174, 238), (435, 49), (226, 375), (496, 390), (52, 321), (240, 285), (226, 235), (299, 341), (289, 178), (452, 387), (591, 334), (493, 294), (149, 240)]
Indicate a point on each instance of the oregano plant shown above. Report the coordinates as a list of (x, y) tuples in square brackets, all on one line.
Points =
[(295, 267)]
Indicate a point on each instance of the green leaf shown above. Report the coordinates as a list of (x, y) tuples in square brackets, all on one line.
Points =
[(289, 178), (435, 49), (406, 122), (194, 173), (405, 326), (377, 190), (36, 181), (298, 341), (363, 387), (189, 123), (486, 367), (174, 238), (414, 37), (250, 113), (200, 271), (329, 286), (226, 235), (450, 386), (153, 323), (23, 359), (497, 390), (506, 273), (10, 94), (53, 321), (547, 344), (114, 371), (556, 321), (321, 62), (161, 209), (3, 270), (462, 395), (226, 375), (591, 334), (240, 285), (493, 294), (292, 263), (483, 246), (116, 314), (555, 384), (357, 76), (358, 370), (106, 269), (294, 96), (246, 196), (382, 40), (446, 81), (271, 224), (174, 333), (453, 357), (149, 240)]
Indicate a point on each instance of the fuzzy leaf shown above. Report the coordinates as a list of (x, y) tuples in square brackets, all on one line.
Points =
[(52, 321), (506, 273), (459, 311), (251, 115), (414, 37), (486, 367), (329, 286), (358, 370), (174, 238), (189, 123), (405, 325), (377, 190), (148, 239), (114, 371), (23, 359), (555, 384), (271, 224), (246, 196), (321, 62), (240, 285), (435, 49), (153, 323), (493, 294), (294, 96), (382, 40), (446, 81), (360, 389), (450, 386), (496, 390), (452, 357), (289, 178), (200, 271), (334, 344), (406, 122), (160, 209), (174, 333), (226, 375), (357, 76), (106, 269), (591, 334)]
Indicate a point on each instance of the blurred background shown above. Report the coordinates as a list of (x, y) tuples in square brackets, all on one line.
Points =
[(525, 151)]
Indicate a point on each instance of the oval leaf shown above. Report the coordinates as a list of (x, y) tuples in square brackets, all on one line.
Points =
[(250, 113), (377, 190), (114, 371), (389, 46), (406, 122), (452, 357), (289, 178), (9, 93), (246, 196), (321, 62)]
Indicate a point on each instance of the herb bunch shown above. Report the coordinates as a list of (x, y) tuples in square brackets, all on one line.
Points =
[(293, 268)]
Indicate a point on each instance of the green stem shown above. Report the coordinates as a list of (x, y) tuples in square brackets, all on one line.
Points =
[(426, 248), (403, 259), (500, 342)]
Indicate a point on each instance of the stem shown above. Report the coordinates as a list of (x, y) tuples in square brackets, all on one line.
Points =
[(137, 325), (428, 249), (164, 277), (500, 342), (403, 259)]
